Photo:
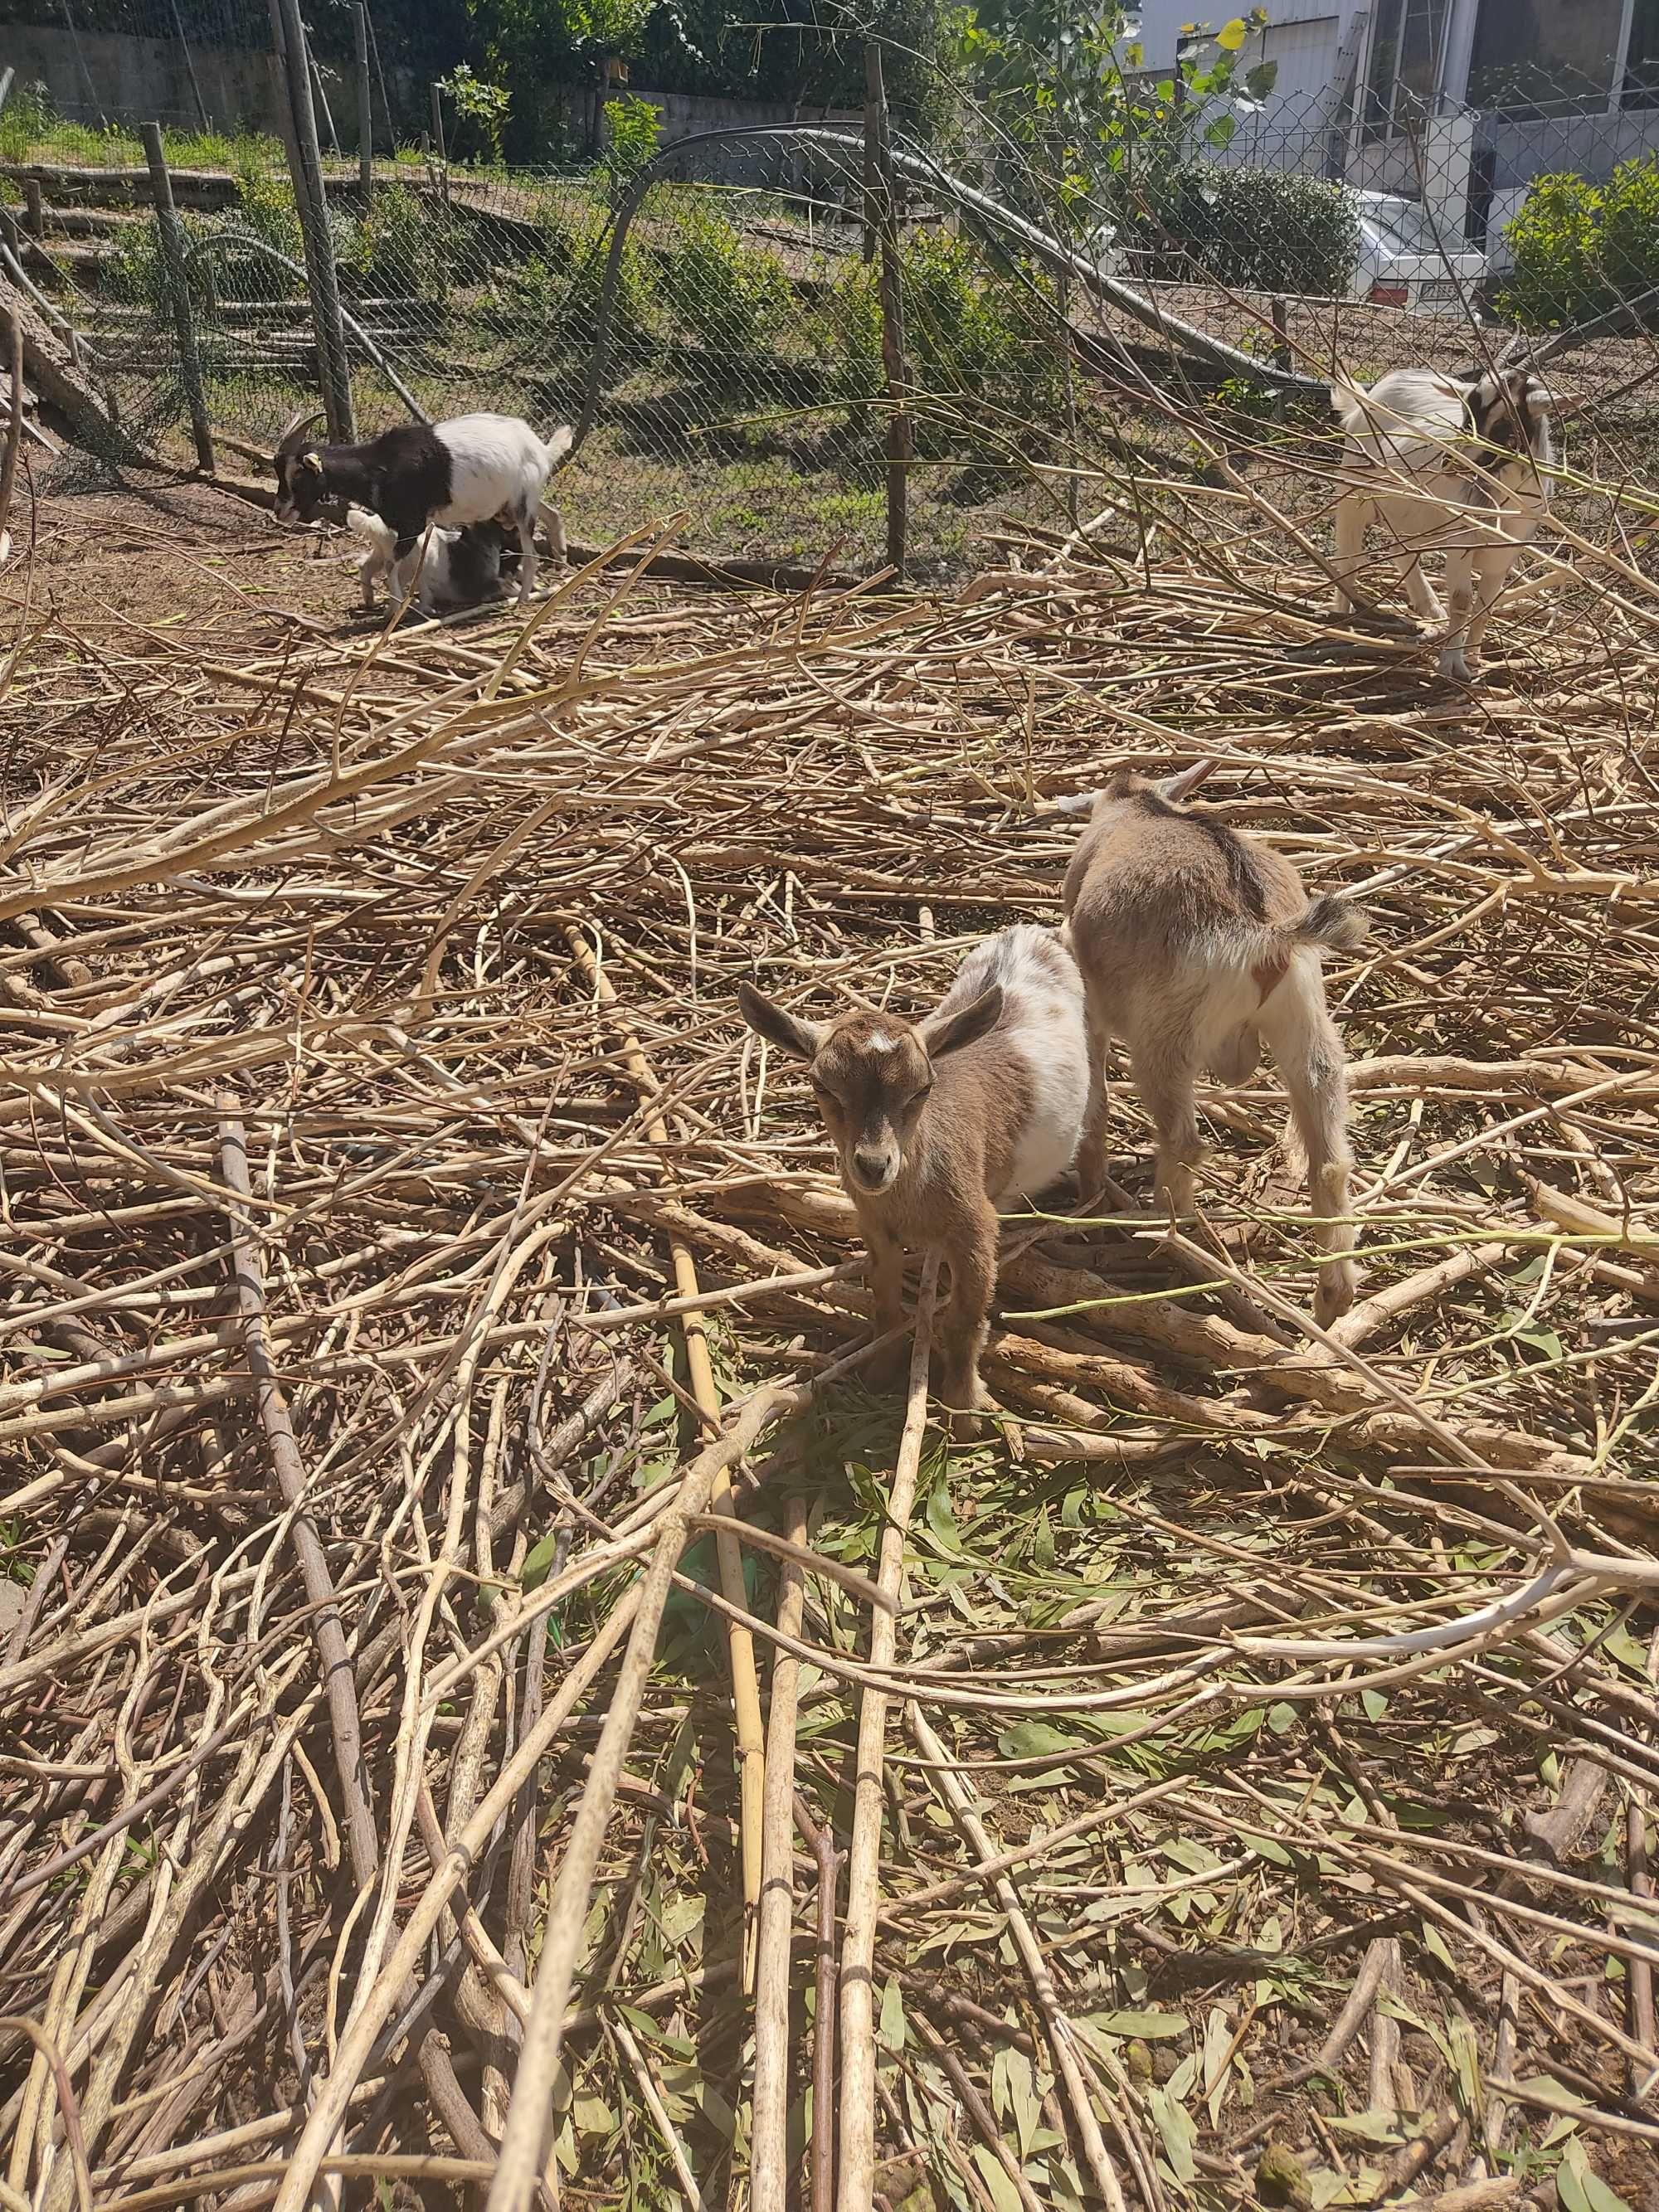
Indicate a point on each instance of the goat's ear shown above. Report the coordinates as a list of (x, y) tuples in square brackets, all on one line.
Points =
[(786, 1031), (951, 1032), (1175, 788), (1077, 802), (313, 461)]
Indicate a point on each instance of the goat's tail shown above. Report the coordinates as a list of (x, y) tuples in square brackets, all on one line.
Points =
[(370, 530), (1337, 924), (1348, 405), (558, 443)]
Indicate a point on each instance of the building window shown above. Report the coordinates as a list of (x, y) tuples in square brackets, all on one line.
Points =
[(1402, 72), (1641, 88), (1537, 57)]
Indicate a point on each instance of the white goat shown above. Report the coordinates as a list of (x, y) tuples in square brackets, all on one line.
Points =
[(937, 1123), (459, 567), (1194, 943), (1443, 461)]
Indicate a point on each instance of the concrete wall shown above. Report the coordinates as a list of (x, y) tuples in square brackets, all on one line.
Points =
[(146, 80)]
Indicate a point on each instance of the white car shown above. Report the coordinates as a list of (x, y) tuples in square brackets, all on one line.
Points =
[(1407, 259)]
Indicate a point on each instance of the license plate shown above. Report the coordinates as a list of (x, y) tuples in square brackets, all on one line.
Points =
[(1443, 288)]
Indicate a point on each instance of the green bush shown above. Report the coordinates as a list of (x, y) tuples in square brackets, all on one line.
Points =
[(553, 297), (983, 352), (632, 128), (402, 245), (731, 296), (265, 210), (1261, 230), (1581, 249)]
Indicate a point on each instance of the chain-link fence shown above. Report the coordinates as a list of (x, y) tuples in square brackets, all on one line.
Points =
[(1188, 299)]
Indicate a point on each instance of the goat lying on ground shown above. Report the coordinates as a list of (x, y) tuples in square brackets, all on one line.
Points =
[(936, 1123), (474, 470), (455, 568), (1458, 462), (1194, 943)]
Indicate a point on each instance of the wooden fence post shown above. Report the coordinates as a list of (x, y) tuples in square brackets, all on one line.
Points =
[(439, 144), (899, 443), (306, 158), (364, 107), (35, 208), (173, 261)]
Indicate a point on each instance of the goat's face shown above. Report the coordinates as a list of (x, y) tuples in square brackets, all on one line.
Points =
[(1511, 413), (302, 481), (871, 1075)]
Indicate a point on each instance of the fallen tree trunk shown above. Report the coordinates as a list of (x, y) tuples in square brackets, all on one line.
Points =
[(60, 383)]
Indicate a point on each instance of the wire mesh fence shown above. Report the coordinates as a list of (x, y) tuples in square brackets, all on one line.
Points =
[(1202, 289)]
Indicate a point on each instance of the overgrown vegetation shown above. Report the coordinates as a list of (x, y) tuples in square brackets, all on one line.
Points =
[(31, 129), (1580, 248), (729, 296)]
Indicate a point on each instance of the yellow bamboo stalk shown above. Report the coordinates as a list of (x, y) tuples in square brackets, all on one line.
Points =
[(739, 1642), (856, 2104)]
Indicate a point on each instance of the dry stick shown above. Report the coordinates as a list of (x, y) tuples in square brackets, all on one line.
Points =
[(856, 2105), (1642, 2024), (739, 1643), (768, 2162), (1059, 2027), (529, 2119), (821, 1842), (372, 2015), (290, 1471), (14, 427)]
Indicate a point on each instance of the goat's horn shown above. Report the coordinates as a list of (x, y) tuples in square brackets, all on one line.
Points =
[(301, 421), (1177, 787)]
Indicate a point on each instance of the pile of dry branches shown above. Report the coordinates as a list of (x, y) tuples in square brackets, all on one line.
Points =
[(490, 1694)]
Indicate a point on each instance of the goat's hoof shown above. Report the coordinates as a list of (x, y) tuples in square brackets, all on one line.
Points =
[(968, 1401), (1458, 666), (1339, 1286)]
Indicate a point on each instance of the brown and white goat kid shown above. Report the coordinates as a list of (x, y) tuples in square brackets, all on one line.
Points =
[(1462, 463), (1194, 943), (939, 1123)]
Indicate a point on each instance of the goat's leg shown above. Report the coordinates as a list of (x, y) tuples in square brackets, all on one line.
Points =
[(1308, 1049), (1091, 1145), (524, 521), (1461, 568), (1424, 600), (1480, 584), (1354, 512), (971, 1251), (1165, 1068), (553, 517), (887, 1294)]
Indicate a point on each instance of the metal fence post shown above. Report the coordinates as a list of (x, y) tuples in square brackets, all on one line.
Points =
[(899, 445), (365, 106), (306, 159), (173, 261)]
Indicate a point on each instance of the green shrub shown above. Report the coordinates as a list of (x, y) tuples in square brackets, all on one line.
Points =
[(632, 128), (132, 269), (1580, 248), (733, 296), (983, 352), (1260, 230), (402, 245), (553, 297)]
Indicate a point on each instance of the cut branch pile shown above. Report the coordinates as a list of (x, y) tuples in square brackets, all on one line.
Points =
[(473, 1648)]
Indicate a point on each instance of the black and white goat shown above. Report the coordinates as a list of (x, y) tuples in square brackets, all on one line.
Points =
[(1459, 463), (477, 469)]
